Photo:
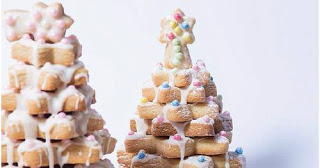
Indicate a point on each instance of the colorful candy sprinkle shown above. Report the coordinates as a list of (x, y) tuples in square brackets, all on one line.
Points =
[(175, 61), (173, 24), (165, 85), (62, 115), (187, 37), (210, 98), (66, 141), (223, 133), (131, 133), (170, 36), (176, 49), (211, 78), (144, 100), (175, 42), (219, 97), (141, 154), (206, 119), (175, 103), (90, 138), (160, 118), (178, 30), (177, 16), (197, 83), (196, 68), (185, 25), (179, 56), (177, 137), (239, 151), (201, 159)]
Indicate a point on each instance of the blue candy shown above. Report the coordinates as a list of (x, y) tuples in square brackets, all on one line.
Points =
[(239, 151), (165, 85), (175, 103), (141, 155), (211, 78), (201, 159), (184, 25)]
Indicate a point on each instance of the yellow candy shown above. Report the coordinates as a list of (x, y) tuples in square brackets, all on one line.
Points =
[(187, 38), (144, 100), (173, 24), (177, 30)]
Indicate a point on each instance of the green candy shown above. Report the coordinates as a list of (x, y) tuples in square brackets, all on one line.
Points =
[(175, 42), (179, 56), (177, 49), (175, 62), (219, 97)]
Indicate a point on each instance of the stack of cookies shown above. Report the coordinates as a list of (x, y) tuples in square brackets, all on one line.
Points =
[(47, 118), (180, 120)]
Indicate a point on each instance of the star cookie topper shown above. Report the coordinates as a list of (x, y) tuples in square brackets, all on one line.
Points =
[(176, 31), (44, 22)]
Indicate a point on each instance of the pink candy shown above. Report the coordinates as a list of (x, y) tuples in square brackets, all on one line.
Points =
[(196, 68), (170, 36), (30, 144), (177, 137), (201, 63), (177, 16), (223, 133), (62, 115), (207, 119), (90, 138), (10, 20), (41, 41), (197, 83), (131, 133), (66, 141), (160, 118), (210, 98), (72, 37)]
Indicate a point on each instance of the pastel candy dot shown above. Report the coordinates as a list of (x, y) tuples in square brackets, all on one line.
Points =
[(239, 151), (226, 113), (144, 100), (178, 30), (173, 24), (177, 137), (131, 133), (175, 103), (62, 115), (90, 138), (175, 61), (31, 144), (185, 25), (61, 24), (207, 119), (10, 20), (66, 141), (211, 78), (201, 159), (176, 49), (26, 36), (65, 41), (165, 85), (170, 36), (141, 155), (177, 16), (105, 130), (41, 41), (219, 97), (197, 83), (196, 68), (37, 15), (223, 133), (31, 26), (179, 56), (73, 37), (210, 98), (160, 118), (175, 42), (187, 38)]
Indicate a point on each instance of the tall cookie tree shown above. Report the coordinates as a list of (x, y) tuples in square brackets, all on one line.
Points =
[(47, 115), (180, 121)]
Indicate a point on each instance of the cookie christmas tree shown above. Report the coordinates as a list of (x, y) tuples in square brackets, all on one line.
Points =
[(47, 118), (180, 120)]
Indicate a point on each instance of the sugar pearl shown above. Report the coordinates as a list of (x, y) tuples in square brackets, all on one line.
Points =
[(197, 83), (175, 62), (185, 25), (175, 42), (201, 159), (223, 133), (196, 68), (62, 115), (177, 137), (187, 38), (90, 138), (177, 16), (141, 155), (170, 36), (178, 30), (179, 56), (144, 100), (206, 119), (131, 133), (160, 118), (173, 24), (175, 103), (177, 49), (165, 85), (239, 151)]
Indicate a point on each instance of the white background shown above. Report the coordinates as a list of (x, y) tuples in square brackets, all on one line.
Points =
[(263, 56)]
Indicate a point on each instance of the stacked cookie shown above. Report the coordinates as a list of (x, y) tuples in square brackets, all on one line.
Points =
[(47, 118), (180, 120)]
